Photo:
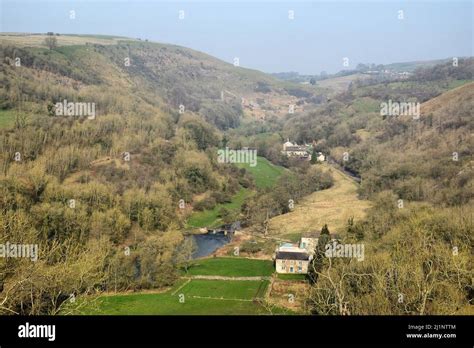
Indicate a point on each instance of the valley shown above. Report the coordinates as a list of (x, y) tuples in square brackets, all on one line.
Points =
[(115, 197)]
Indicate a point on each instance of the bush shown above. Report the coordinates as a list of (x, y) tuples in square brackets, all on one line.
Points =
[(205, 204)]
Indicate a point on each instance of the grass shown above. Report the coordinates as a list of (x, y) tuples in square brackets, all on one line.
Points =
[(231, 267), (201, 296), (264, 173), (291, 276), (243, 290), (37, 40), (333, 206), (224, 298), (340, 83), (210, 218), (7, 118), (366, 105), (293, 237), (457, 83)]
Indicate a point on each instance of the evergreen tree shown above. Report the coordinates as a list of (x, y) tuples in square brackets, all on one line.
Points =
[(318, 260)]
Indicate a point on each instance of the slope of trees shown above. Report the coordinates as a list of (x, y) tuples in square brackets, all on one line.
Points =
[(104, 199), (417, 261)]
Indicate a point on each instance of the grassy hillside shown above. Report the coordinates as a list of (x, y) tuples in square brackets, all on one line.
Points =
[(177, 75), (333, 206), (210, 217), (412, 66), (341, 83), (264, 173)]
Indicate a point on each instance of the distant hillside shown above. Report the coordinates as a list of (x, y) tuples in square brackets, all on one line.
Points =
[(412, 158), (220, 92), (341, 83), (412, 66)]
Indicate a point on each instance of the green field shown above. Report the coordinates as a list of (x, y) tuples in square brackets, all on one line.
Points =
[(239, 290), (193, 296), (7, 118), (210, 218), (231, 267), (265, 173)]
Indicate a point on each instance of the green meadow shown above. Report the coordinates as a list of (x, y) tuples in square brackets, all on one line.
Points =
[(192, 296), (210, 218), (231, 267), (265, 173)]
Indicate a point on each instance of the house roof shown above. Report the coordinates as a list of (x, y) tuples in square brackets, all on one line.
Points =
[(290, 255)]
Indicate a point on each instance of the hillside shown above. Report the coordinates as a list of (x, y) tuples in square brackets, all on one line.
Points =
[(333, 206), (176, 75), (340, 84)]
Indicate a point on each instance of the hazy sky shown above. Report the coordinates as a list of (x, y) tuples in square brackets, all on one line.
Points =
[(261, 33)]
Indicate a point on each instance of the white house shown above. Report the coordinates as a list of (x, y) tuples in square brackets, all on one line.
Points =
[(294, 150), (290, 258), (292, 262)]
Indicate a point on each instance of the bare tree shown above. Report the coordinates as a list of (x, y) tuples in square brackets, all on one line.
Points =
[(50, 41)]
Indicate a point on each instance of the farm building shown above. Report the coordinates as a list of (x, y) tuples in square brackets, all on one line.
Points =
[(295, 258), (309, 241), (290, 258), (292, 262), (302, 152), (297, 151)]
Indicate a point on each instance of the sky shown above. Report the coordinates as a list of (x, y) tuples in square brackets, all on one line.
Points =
[(263, 34)]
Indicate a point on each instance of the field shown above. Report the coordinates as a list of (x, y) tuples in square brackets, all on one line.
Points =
[(196, 297), (265, 173), (231, 267), (341, 83), (191, 296), (210, 218), (333, 206), (37, 40)]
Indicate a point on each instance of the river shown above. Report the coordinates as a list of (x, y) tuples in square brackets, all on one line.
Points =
[(208, 243)]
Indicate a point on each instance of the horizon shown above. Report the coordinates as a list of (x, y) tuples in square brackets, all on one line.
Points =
[(426, 60), (261, 34)]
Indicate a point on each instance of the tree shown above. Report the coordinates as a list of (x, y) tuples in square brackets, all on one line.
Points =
[(51, 41), (318, 260), (312, 81), (184, 253), (314, 156)]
